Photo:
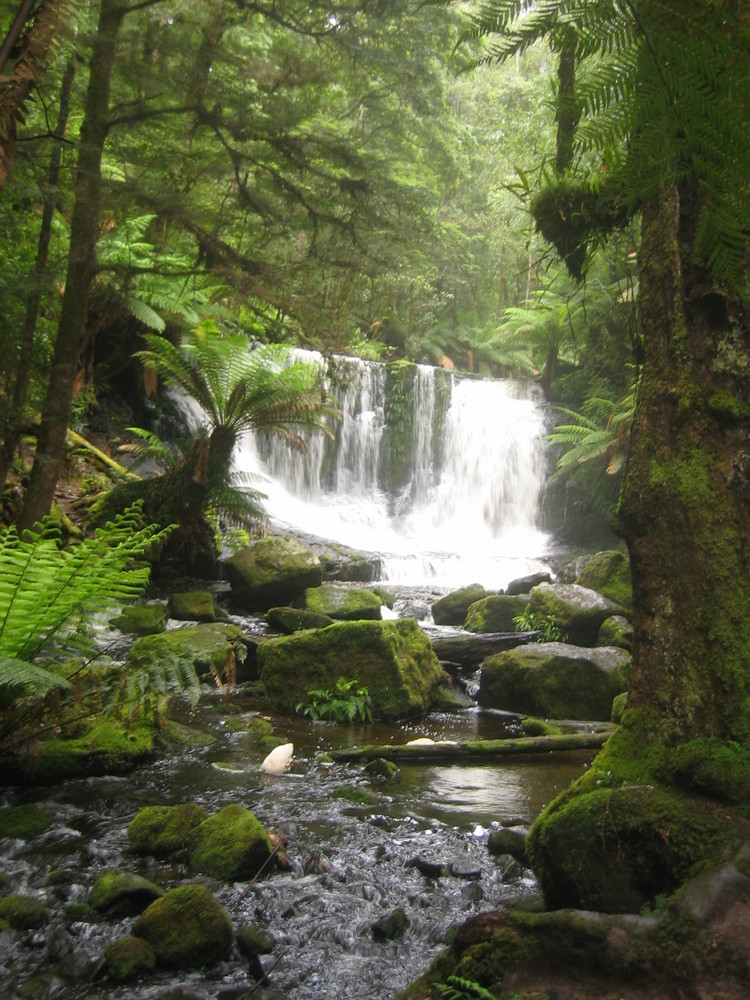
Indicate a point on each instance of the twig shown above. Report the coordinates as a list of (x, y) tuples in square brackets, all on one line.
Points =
[(259, 872)]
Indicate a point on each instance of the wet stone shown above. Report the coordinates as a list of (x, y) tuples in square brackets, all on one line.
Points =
[(463, 868), (427, 866), (390, 927)]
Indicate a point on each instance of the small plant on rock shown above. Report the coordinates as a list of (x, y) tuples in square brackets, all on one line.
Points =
[(346, 702), (549, 630)]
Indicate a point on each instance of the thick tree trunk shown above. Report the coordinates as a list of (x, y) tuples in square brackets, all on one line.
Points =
[(84, 232)]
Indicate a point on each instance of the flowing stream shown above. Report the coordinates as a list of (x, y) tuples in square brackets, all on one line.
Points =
[(441, 476)]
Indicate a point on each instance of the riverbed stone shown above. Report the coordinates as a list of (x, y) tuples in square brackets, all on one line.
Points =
[(128, 958), (555, 680), (577, 611), (141, 619), (508, 840), (25, 821), (343, 603), (495, 613), (452, 608), (24, 912), (608, 573), (122, 894), (290, 620), (194, 606), (209, 647), (271, 572), (230, 845), (394, 660), (391, 926), (186, 928), (161, 830)]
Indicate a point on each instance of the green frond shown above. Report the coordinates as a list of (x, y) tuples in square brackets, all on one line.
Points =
[(20, 675), (145, 314)]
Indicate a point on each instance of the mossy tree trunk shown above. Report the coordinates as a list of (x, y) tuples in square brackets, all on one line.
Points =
[(670, 792)]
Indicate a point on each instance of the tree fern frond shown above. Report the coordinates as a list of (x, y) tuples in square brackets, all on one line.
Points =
[(20, 674)]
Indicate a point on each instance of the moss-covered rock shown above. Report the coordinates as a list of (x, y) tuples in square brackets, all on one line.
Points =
[(616, 631), (106, 748), (394, 660), (122, 894), (577, 611), (25, 821), (194, 606), (231, 845), (254, 941), (343, 603), (608, 573), (291, 620), (618, 707), (271, 572), (539, 727), (555, 680), (128, 958), (161, 830), (357, 795), (186, 928), (24, 912), (210, 647), (141, 619), (453, 608), (391, 926), (495, 613)]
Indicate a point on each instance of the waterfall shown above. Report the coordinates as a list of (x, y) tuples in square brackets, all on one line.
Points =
[(440, 474)]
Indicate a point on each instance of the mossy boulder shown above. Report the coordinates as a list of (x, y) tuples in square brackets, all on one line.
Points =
[(394, 660), (495, 613), (577, 611), (106, 748), (616, 631), (608, 573), (453, 608), (210, 647), (25, 821), (186, 928), (122, 894), (24, 913), (555, 680), (272, 572), (231, 845), (161, 830), (615, 850), (141, 619), (343, 603), (291, 620), (194, 606), (128, 958)]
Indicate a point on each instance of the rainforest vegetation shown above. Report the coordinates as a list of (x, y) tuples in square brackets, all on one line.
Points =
[(557, 189)]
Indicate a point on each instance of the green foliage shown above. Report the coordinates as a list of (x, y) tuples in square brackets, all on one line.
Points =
[(457, 988), (548, 630), (346, 702), (49, 595), (599, 433)]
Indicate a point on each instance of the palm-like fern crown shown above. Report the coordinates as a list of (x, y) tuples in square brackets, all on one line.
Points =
[(663, 93), (240, 389)]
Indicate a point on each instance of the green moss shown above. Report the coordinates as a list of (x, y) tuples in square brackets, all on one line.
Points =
[(618, 707), (291, 620), (539, 727), (454, 607), (359, 796), (107, 748), (487, 962), (24, 912), (495, 613), (728, 407), (122, 893), (128, 958), (230, 845), (207, 647), (343, 603), (711, 767), (141, 619), (608, 573), (24, 821), (194, 605), (689, 479), (163, 829), (186, 928)]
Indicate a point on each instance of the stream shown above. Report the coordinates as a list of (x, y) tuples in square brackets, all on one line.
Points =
[(321, 921)]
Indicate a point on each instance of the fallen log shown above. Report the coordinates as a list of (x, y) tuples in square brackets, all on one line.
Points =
[(473, 750)]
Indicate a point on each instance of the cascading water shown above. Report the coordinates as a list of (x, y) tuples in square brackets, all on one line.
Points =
[(441, 475)]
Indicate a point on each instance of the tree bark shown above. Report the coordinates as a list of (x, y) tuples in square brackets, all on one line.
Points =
[(13, 419), (84, 233)]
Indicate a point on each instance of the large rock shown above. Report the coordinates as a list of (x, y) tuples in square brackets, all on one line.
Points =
[(577, 611), (394, 660), (272, 571), (495, 613), (608, 573), (231, 845), (186, 928), (194, 606), (452, 609), (555, 680), (160, 829), (209, 647), (122, 894), (343, 603)]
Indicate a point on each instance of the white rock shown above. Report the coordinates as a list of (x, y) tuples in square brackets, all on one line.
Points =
[(278, 759)]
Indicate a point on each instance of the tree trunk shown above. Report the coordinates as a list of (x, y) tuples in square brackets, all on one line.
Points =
[(668, 794), (12, 422), (84, 232)]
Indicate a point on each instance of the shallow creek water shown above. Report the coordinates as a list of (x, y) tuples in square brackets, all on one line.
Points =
[(321, 922)]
